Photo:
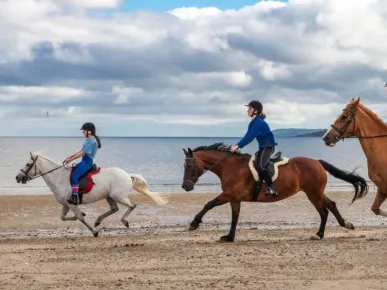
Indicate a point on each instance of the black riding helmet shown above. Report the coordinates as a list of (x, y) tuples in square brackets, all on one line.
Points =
[(89, 127), (256, 105)]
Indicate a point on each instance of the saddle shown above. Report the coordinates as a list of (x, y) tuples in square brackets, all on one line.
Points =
[(274, 162), (86, 182)]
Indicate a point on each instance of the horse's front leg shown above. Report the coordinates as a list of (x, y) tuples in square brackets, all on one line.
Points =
[(79, 216), (235, 209), (219, 200), (65, 210)]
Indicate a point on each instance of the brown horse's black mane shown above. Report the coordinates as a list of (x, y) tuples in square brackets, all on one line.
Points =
[(217, 147)]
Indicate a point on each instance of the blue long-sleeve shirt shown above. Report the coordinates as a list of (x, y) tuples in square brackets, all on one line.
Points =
[(260, 130)]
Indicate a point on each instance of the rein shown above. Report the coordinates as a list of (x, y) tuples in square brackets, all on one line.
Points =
[(39, 175), (196, 167)]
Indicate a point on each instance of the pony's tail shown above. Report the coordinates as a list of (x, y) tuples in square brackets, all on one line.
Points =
[(140, 185), (358, 182)]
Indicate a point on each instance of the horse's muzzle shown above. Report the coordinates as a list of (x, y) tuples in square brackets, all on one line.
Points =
[(187, 186), (21, 179)]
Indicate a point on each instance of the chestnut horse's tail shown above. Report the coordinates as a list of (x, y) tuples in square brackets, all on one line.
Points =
[(358, 182)]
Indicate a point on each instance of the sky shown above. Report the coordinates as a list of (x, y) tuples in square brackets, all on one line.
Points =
[(186, 68)]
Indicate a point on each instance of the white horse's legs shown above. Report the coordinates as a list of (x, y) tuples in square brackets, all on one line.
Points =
[(65, 210), (113, 209), (131, 206), (79, 216)]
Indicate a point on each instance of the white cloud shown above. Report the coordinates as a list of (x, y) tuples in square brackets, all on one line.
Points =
[(304, 59), (92, 3)]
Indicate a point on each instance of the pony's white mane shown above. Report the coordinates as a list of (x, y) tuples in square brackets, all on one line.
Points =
[(40, 154)]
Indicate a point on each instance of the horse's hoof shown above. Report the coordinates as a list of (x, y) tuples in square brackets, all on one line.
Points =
[(315, 238), (126, 224), (226, 239), (95, 234), (193, 226), (83, 213), (349, 226), (97, 224)]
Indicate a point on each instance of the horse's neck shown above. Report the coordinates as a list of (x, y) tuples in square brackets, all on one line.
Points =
[(58, 179), (215, 161), (373, 148)]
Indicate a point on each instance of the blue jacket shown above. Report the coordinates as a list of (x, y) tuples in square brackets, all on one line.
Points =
[(260, 130)]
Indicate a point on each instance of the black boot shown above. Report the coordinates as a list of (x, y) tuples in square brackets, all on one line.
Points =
[(270, 191), (74, 199)]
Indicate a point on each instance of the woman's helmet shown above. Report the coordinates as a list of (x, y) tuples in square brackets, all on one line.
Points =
[(89, 127), (256, 105)]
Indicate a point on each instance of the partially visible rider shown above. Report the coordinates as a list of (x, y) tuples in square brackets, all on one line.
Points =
[(260, 130), (88, 152)]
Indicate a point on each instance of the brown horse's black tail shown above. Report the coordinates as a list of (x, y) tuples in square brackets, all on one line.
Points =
[(358, 182)]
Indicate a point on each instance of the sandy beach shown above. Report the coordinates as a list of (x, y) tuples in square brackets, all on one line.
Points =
[(272, 249)]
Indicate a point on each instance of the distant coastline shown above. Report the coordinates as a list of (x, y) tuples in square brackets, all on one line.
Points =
[(299, 132)]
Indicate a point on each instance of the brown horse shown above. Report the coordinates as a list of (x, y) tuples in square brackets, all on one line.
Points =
[(237, 182), (357, 121)]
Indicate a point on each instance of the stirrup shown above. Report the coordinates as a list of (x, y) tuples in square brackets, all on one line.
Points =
[(271, 192)]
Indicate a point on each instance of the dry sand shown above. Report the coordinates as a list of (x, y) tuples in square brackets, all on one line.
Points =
[(272, 249)]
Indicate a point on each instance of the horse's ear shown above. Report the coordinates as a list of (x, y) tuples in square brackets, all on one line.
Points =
[(185, 152), (190, 151), (31, 154), (357, 101)]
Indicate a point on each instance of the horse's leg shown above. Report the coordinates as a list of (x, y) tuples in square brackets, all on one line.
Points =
[(317, 199), (131, 206), (331, 205), (235, 209), (65, 210), (80, 217), (113, 209), (219, 200), (379, 199)]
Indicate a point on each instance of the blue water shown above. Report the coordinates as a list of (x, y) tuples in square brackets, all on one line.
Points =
[(159, 160)]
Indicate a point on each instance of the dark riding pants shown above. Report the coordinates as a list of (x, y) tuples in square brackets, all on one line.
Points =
[(263, 157)]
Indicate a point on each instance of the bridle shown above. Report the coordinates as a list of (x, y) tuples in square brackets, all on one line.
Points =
[(195, 175), (33, 165), (344, 129)]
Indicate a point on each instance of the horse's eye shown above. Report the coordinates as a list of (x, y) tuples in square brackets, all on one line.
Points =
[(343, 118)]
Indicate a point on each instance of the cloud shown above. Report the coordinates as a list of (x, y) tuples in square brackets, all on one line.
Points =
[(188, 70)]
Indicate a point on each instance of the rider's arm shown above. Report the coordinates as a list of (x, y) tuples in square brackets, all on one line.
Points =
[(253, 131)]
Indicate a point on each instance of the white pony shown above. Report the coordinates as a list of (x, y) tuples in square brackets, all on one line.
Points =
[(112, 184)]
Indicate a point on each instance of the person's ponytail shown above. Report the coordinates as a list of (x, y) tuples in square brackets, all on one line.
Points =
[(98, 141)]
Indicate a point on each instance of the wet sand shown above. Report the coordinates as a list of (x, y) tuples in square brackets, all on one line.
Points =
[(272, 249)]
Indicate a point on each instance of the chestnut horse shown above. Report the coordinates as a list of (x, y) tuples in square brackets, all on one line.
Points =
[(357, 121), (237, 182)]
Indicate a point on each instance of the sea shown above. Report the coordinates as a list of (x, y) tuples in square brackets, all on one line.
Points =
[(160, 159)]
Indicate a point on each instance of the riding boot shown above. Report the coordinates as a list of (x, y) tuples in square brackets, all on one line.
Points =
[(74, 199), (270, 191)]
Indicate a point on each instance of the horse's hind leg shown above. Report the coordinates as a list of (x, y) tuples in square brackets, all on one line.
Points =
[(131, 206), (113, 209), (379, 199), (219, 200), (317, 199), (331, 205)]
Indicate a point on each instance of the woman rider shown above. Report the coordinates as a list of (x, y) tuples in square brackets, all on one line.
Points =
[(88, 152), (260, 130)]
